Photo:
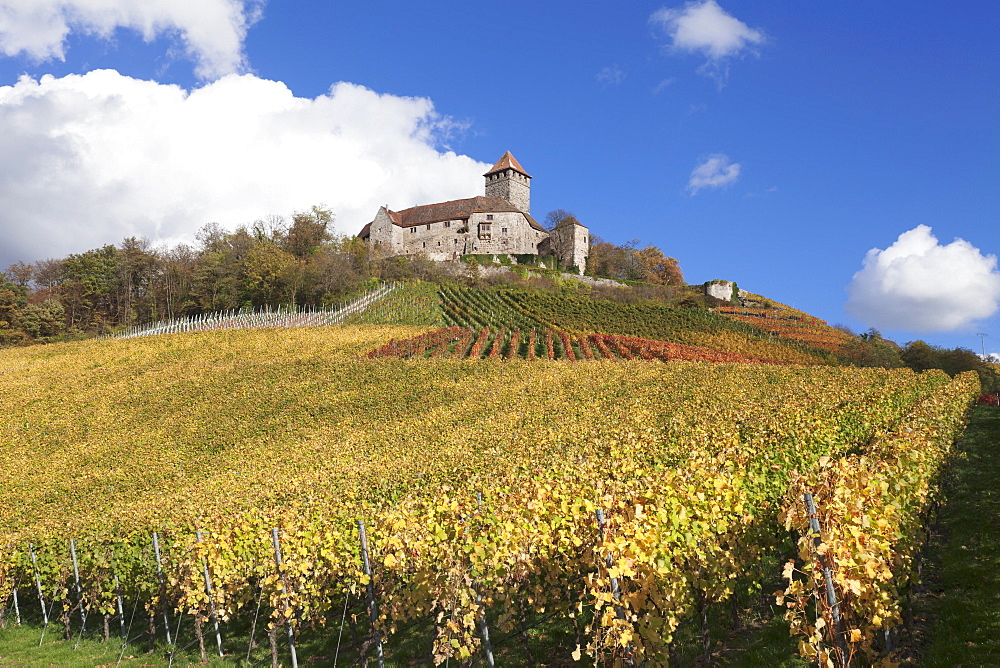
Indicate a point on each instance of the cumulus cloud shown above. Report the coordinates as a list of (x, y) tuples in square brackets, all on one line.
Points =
[(705, 28), (90, 159), (211, 32), (611, 76), (715, 171), (918, 284)]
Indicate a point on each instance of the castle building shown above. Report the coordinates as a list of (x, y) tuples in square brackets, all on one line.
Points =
[(498, 223)]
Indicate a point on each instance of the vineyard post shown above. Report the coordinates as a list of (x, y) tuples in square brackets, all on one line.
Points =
[(118, 599), (831, 595), (17, 606), (372, 609), (79, 590), (163, 586), (38, 583), (211, 599), (484, 630), (284, 590), (615, 590)]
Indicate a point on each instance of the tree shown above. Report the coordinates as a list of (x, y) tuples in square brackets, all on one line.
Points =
[(20, 274), (308, 232), (553, 218), (659, 269), (87, 290), (870, 349)]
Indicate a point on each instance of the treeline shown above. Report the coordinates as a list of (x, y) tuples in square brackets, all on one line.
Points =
[(277, 261), (871, 349)]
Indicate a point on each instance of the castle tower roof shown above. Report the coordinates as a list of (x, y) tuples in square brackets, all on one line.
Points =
[(508, 161)]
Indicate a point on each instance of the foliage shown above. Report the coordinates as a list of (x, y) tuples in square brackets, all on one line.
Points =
[(872, 508), (232, 433), (921, 356), (629, 262)]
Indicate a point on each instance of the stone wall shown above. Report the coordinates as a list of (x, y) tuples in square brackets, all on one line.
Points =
[(722, 290), (484, 233)]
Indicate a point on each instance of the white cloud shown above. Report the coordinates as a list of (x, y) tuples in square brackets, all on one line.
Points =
[(663, 85), (90, 159), (919, 285), (210, 31), (715, 171), (611, 76), (705, 28)]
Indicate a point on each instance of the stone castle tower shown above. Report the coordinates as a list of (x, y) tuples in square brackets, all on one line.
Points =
[(508, 180), (571, 244)]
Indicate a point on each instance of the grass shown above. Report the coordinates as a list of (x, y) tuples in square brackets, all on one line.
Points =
[(964, 557), (26, 647)]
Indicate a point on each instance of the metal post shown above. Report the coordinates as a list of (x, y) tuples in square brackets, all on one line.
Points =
[(831, 595), (284, 590), (38, 583), (17, 606), (615, 591), (372, 609), (163, 586), (484, 632), (211, 599), (79, 590), (121, 608)]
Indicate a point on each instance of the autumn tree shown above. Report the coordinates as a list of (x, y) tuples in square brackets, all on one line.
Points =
[(659, 269)]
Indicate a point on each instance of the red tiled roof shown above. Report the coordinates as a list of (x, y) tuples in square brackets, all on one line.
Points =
[(508, 161), (365, 232), (459, 209)]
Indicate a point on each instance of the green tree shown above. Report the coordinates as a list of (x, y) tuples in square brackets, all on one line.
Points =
[(308, 232)]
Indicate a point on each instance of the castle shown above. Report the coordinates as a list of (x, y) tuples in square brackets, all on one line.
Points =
[(498, 223)]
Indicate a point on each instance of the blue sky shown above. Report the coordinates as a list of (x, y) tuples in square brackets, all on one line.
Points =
[(774, 144)]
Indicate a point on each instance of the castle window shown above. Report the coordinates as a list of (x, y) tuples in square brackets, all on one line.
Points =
[(489, 216), (447, 223), (428, 226), (413, 230), (503, 230)]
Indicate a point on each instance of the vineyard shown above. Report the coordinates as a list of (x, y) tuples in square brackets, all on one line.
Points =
[(787, 324), (513, 309), (460, 343), (730, 334), (284, 488)]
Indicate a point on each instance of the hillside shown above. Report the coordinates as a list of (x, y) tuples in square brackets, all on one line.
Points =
[(476, 480)]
